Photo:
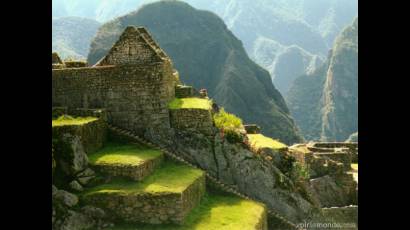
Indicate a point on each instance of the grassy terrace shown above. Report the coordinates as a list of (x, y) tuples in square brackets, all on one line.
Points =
[(170, 178), (216, 212), (68, 120), (260, 141), (190, 103), (121, 154)]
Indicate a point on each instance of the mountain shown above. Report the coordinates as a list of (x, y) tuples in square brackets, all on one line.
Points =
[(207, 55), (324, 103), (311, 25), (354, 137), (71, 36)]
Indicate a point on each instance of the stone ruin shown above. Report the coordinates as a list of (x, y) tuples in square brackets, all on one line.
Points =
[(132, 86)]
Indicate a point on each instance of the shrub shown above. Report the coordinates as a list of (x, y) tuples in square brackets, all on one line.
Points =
[(230, 125), (227, 120)]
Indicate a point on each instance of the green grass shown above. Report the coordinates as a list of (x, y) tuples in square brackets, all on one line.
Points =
[(355, 166), (216, 212), (190, 103), (170, 178), (227, 120), (122, 154), (260, 141), (69, 120)]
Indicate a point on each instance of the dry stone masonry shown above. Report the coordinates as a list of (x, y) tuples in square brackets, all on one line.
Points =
[(134, 87), (130, 88)]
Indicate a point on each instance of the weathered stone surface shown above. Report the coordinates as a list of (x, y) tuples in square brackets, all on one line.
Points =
[(86, 173), (184, 91), (76, 220), (195, 120), (332, 192), (65, 198), (252, 128), (136, 97), (74, 185), (75, 64), (150, 208), (343, 215), (251, 174), (135, 46), (92, 135), (343, 157), (69, 154), (85, 180), (93, 212)]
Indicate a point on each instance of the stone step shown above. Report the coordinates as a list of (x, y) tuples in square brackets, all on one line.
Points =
[(133, 161), (166, 196), (216, 211)]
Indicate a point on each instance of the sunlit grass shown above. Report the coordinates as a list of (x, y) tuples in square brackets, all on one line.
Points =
[(216, 212), (169, 178), (190, 103), (261, 141), (120, 154), (227, 120), (69, 120), (355, 166)]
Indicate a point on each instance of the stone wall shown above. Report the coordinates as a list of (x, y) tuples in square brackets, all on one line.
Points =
[(252, 129), (92, 135), (247, 172), (135, 97), (184, 91), (135, 46), (342, 215), (196, 120), (150, 208), (75, 64), (344, 158)]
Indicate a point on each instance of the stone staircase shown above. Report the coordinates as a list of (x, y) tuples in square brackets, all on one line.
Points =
[(143, 186), (285, 223)]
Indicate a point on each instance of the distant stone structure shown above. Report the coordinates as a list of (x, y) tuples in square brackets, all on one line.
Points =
[(252, 128)]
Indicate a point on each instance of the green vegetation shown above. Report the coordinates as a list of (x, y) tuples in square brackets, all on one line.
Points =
[(69, 120), (230, 124), (261, 141), (190, 103), (170, 178), (355, 166), (121, 154), (216, 212), (227, 120)]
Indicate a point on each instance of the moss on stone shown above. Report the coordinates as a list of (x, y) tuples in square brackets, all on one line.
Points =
[(69, 120), (261, 141), (170, 178), (222, 212), (120, 154), (190, 103)]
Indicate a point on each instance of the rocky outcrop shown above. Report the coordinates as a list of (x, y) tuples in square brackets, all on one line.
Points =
[(67, 215), (251, 174)]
